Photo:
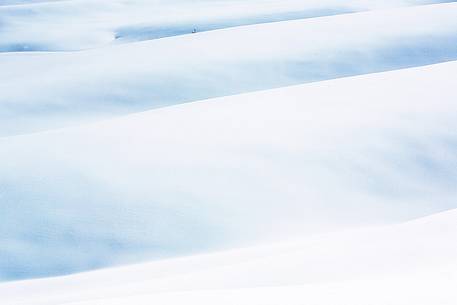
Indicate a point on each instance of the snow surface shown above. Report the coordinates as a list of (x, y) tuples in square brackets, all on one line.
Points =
[(318, 157), (42, 25), (70, 88), (410, 263), (307, 153)]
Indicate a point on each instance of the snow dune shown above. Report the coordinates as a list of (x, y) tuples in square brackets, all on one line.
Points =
[(80, 24), (76, 87), (409, 263), (231, 171), (307, 153)]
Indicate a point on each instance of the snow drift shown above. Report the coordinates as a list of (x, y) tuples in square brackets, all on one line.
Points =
[(307, 153), (408, 263), (71, 88), (40, 25), (230, 171)]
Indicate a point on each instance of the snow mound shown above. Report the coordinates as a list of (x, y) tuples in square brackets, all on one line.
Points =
[(227, 172), (410, 262), (40, 25), (76, 87)]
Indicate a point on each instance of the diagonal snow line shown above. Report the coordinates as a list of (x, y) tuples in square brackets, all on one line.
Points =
[(259, 20), (305, 127), (234, 257), (130, 78), (217, 99), (150, 31)]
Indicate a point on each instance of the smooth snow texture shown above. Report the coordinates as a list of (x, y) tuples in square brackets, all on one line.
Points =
[(230, 171), (48, 90), (410, 263), (81, 24)]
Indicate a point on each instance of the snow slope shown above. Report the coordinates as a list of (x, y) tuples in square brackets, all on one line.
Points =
[(71, 88), (231, 171), (307, 155), (80, 24), (410, 263)]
